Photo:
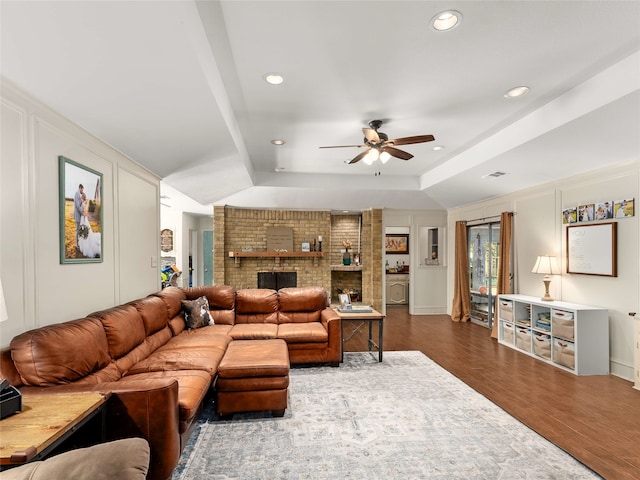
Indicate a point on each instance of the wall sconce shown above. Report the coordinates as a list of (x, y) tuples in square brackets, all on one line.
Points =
[(547, 265)]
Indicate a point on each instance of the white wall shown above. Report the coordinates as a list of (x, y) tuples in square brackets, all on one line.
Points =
[(538, 229), (427, 284), (39, 290)]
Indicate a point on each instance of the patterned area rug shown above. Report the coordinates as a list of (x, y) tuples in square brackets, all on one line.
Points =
[(405, 418)]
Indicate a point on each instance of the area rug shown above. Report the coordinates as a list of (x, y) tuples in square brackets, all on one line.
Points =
[(404, 418)]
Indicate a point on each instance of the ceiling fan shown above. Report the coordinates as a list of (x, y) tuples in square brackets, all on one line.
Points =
[(378, 145)]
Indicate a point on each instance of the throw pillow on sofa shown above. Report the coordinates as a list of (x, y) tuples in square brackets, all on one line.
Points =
[(126, 459), (196, 313)]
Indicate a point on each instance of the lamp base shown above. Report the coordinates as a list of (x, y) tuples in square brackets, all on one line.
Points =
[(547, 297)]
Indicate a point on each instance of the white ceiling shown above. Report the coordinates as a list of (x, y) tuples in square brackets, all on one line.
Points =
[(178, 87)]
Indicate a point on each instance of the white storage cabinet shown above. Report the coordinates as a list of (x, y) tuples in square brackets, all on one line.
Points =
[(567, 335), (397, 288)]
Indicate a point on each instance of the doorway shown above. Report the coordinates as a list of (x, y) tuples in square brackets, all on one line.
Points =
[(207, 257), (483, 247)]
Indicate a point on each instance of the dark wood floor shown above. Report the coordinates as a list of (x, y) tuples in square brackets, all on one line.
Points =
[(594, 418)]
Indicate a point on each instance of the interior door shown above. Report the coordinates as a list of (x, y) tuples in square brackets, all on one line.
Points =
[(483, 243), (207, 257)]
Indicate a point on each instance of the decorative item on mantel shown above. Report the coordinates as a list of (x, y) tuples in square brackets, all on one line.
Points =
[(346, 256), (319, 243)]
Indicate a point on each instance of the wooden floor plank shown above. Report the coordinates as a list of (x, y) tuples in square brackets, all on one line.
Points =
[(595, 418)]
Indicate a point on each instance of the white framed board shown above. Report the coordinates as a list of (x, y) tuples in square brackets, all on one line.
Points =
[(591, 249)]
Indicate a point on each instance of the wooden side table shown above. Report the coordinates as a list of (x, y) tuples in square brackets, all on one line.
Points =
[(45, 422), (363, 317)]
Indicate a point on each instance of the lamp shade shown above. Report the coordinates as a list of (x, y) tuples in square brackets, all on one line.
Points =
[(3, 305), (547, 265)]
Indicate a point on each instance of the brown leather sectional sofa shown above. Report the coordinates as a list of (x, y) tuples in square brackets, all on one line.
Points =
[(159, 373)]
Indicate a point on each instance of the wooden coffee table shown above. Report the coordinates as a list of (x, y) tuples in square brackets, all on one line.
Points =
[(362, 318), (44, 423)]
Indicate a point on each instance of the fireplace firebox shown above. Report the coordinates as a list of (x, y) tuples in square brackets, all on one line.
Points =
[(277, 280)]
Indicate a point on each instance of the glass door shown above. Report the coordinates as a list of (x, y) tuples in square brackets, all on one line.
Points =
[(483, 243)]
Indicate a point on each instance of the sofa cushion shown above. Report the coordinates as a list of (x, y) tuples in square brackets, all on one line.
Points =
[(253, 331), (110, 373), (301, 304), (124, 328), (256, 305), (196, 313), (222, 301), (142, 351), (203, 337), (312, 332), (190, 339), (60, 353), (154, 313), (177, 324), (172, 297), (185, 353)]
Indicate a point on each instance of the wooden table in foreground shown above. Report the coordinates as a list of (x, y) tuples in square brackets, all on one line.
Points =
[(44, 423), (363, 317)]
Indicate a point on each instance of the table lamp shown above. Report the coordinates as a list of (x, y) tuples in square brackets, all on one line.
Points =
[(547, 265)]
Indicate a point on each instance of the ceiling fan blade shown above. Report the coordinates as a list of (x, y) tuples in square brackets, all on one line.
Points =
[(409, 140), (394, 152), (343, 146), (360, 156), (371, 135)]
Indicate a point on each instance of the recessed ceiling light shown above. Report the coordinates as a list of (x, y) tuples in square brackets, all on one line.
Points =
[(446, 20), (278, 141), (273, 78), (438, 147), (516, 92)]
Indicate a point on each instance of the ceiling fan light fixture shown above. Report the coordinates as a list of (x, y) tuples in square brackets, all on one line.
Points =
[(273, 78), (372, 156), (384, 157), (516, 92), (446, 20), (437, 148)]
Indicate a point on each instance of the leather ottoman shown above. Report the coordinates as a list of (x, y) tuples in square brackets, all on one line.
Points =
[(253, 376)]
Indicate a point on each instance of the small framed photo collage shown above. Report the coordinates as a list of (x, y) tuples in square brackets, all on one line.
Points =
[(593, 212)]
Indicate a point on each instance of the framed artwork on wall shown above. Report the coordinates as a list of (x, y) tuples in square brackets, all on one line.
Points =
[(80, 205), (592, 249), (396, 243), (624, 208)]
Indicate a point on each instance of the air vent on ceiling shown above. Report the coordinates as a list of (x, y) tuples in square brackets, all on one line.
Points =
[(494, 174)]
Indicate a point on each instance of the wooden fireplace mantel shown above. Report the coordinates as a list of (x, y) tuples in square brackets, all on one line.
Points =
[(276, 256)]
